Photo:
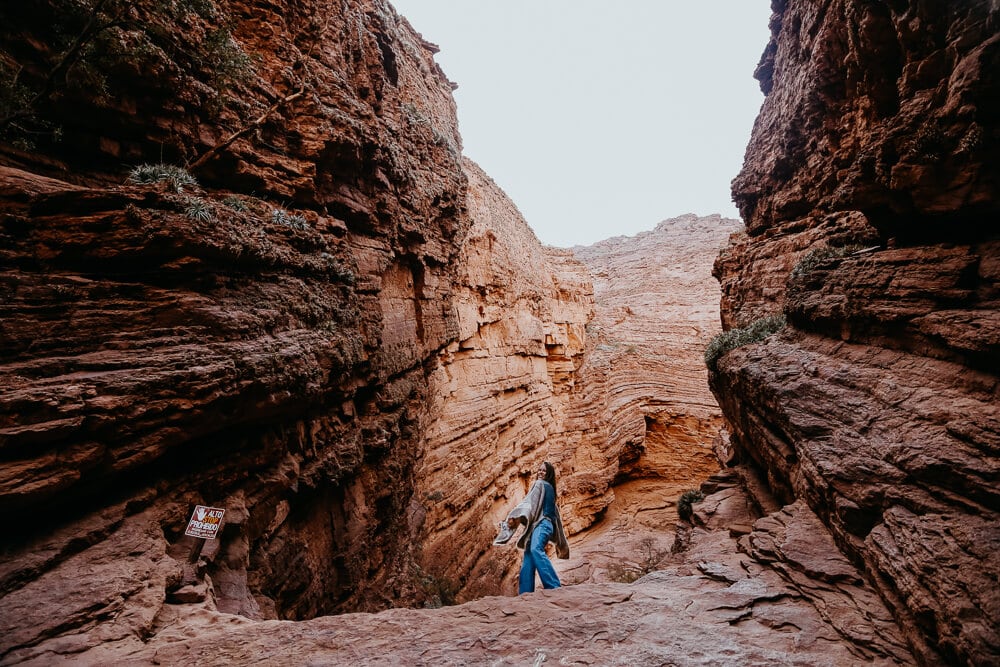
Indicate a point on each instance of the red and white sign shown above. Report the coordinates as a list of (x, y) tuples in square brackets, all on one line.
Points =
[(205, 522)]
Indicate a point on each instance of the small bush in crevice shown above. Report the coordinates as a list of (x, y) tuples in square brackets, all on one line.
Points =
[(814, 258), (175, 177), (684, 503), (648, 561), (280, 216), (235, 203), (441, 591), (227, 62), (754, 332), (928, 143), (198, 210), (337, 270)]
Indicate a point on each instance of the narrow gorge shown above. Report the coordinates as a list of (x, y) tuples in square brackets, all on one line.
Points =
[(246, 264)]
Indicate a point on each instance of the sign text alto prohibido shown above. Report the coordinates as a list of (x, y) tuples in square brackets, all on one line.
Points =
[(205, 522)]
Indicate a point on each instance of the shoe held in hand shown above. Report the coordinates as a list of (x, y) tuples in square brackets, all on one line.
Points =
[(506, 532)]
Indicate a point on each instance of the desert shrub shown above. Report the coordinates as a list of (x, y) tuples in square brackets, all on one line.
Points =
[(623, 573), (649, 559), (175, 177), (337, 270), (280, 216), (684, 503), (95, 49), (197, 209), (225, 60), (754, 332), (814, 258), (928, 143), (440, 590), (235, 203)]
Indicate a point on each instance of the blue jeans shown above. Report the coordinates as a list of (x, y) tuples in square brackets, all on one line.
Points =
[(535, 559)]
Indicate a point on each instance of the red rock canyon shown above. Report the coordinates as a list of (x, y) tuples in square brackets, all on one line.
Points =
[(246, 265)]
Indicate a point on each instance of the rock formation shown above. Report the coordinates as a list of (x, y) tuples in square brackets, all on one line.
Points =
[(787, 596), (869, 190), (644, 421), (256, 343), (345, 335), (498, 392)]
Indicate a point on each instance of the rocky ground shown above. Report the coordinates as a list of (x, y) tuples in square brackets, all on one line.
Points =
[(779, 593)]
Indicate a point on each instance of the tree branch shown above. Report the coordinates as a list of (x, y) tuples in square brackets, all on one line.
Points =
[(68, 58), (254, 124)]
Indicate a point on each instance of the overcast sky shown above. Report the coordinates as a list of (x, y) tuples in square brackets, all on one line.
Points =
[(602, 118)]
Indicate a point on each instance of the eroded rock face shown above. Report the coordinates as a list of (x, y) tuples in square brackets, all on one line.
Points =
[(499, 392), (878, 404), (259, 348), (644, 422)]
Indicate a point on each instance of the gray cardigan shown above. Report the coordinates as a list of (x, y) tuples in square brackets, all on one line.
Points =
[(529, 512)]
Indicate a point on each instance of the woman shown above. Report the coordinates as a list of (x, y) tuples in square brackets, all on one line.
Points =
[(539, 513)]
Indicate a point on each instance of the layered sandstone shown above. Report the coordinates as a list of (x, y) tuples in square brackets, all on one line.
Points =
[(349, 339), (257, 343), (607, 383), (356, 348), (878, 404), (498, 392), (645, 421)]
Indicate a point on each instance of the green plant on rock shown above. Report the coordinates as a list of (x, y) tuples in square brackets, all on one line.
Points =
[(228, 65), (754, 332), (175, 177), (92, 42), (235, 203), (280, 216), (198, 210), (688, 498), (928, 143), (337, 270), (814, 258)]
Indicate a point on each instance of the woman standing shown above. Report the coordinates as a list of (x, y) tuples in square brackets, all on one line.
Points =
[(538, 511)]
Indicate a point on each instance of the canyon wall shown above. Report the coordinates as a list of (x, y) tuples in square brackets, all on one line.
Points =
[(869, 193), (258, 342), (644, 423), (605, 382), (347, 337), (338, 330), (499, 391)]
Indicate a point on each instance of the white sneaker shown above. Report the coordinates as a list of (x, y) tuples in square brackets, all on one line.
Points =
[(506, 532)]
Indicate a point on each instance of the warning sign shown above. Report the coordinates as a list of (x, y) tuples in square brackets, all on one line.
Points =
[(205, 522)]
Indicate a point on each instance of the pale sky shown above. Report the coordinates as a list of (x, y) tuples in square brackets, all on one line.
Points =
[(602, 118)]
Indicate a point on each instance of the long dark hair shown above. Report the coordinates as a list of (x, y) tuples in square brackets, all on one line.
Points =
[(550, 474)]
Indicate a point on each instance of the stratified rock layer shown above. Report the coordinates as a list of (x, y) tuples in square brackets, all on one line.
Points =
[(257, 344), (644, 422), (499, 392), (870, 196)]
